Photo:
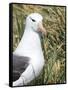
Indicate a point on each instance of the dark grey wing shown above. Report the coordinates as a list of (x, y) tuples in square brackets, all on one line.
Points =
[(20, 63)]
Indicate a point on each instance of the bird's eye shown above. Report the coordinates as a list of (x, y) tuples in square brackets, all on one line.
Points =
[(32, 19)]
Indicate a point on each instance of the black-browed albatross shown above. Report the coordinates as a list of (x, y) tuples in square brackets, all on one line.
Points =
[(28, 59)]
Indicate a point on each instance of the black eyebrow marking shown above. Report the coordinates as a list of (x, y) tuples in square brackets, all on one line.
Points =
[(32, 19)]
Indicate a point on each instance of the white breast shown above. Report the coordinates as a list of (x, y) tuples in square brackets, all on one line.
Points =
[(30, 46)]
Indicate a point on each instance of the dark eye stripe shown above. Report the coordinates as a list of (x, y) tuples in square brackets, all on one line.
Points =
[(32, 19)]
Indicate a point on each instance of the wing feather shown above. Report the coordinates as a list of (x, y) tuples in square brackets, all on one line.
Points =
[(20, 63)]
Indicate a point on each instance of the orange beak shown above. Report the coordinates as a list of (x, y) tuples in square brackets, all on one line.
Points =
[(42, 29)]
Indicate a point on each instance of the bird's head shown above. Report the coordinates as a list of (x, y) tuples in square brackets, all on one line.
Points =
[(34, 21)]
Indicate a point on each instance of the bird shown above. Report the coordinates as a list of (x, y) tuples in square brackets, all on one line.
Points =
[(28, 58)]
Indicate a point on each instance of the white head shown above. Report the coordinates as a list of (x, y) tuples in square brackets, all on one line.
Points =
[(34, 21)]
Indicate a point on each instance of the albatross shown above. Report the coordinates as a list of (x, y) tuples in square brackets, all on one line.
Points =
[(28, 58)]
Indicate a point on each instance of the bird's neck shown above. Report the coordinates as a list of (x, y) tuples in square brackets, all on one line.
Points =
[(29, 43)]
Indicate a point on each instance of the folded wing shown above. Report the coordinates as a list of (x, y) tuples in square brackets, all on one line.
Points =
[(20, 63)]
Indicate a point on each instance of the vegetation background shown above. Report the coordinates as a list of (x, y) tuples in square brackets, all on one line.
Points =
[(54, 47)]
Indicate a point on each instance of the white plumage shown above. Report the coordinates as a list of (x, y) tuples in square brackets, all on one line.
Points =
[(30, 46)]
